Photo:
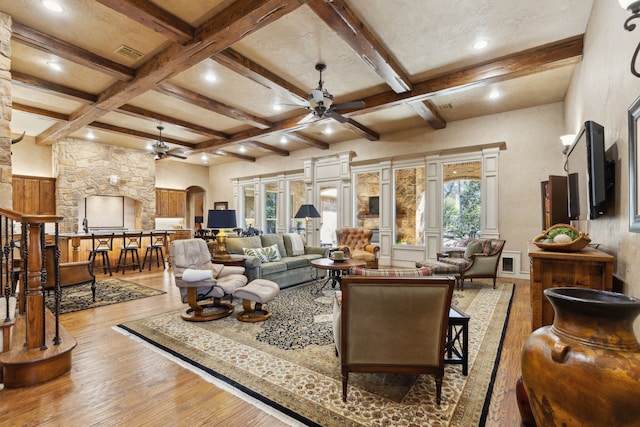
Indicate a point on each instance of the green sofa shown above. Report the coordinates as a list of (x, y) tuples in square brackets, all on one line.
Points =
[(289, 270)]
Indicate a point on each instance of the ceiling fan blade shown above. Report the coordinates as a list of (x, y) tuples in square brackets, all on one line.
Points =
[(177, 154), (336, 116), (306, 119), (307, 106), (348, 105)]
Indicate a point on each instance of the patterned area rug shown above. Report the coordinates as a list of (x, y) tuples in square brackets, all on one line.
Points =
[(289, 362), (108, 291)]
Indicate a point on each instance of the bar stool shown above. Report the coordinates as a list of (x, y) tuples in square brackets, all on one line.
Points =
[(157, 241), (101, 245), (131, 242)]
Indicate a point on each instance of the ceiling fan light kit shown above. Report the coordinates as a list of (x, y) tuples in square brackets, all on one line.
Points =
[(320, 102), (161, 150)]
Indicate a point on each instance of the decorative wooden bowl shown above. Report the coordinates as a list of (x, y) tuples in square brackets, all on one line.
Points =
[(578, 244)]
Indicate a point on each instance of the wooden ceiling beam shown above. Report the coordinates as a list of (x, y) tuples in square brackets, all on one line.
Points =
[(52, 88), (232, 154), (360, 129), (524, 63), (429, 113), (39, 111), (337, 15), (202, 101), (142, 113), (54, 46), (151, 16), (520, 64), (312, 142), (242, 65), (268, 148), (221, 31), (138, 134)]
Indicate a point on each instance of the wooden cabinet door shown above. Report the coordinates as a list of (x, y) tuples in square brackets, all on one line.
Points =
[(34, 195), (171, 203)]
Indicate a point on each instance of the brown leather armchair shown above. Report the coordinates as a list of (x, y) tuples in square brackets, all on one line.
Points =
[(394, 325), (71, 273), (356, 244)]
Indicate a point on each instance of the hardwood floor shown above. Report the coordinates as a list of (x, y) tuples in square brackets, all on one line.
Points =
[(115, 381)]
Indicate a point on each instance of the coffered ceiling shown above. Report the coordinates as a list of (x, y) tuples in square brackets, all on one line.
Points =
[(125, 67)]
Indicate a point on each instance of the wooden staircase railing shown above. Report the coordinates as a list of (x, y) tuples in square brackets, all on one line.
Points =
[(38, 349)]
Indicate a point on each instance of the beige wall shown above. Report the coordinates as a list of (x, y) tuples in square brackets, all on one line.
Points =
[(602, 90), (533, 151), (180, 176), (31, 159)]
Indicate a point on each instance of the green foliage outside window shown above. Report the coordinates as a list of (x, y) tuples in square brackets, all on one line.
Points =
[(461, 208)]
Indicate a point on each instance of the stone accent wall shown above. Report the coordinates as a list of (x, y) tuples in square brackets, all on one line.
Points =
[(83, 169), (6, 200)]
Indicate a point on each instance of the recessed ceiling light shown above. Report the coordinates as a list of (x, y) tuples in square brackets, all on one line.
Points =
[(480, 44), (210, 77), (54, 66), (53, 6), (205, 158), (328, 130), (277, 107), (91, 135), (242, 149), (494, 94), (283, 140)]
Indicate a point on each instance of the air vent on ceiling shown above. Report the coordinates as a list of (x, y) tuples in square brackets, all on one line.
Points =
[(445, 107), (129, 52)]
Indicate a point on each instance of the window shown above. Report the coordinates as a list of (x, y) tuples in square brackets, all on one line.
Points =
[(297, 198), (249, 205), (410, 206), (461, 202), (271, 207), (329, 215)]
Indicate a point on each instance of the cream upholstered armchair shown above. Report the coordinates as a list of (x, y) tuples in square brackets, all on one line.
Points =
[(356, 244), (392, 325), (200, 280)]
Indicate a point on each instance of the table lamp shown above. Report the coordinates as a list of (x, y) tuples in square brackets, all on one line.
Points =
[(307, 212), (221, 220)]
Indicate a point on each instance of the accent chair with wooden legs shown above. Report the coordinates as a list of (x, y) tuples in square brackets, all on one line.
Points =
[(394, 325)]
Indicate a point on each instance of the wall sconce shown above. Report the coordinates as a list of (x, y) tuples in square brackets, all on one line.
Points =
[(634, 7), (567, 140), (114, 180)]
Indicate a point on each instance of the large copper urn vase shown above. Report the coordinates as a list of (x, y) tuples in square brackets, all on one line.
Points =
[(584, 370)]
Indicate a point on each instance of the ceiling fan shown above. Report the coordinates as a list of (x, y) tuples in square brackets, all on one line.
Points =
[(161, 150), (320, 102)]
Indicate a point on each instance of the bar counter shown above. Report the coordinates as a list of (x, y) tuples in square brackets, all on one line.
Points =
[(76, 246)]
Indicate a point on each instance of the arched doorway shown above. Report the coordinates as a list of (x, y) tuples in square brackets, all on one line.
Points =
[(196, 201)]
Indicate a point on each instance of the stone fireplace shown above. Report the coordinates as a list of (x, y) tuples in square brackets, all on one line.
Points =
[(85, 168)]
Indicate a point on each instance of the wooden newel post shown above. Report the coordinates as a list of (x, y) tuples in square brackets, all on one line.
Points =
[(35, 297)]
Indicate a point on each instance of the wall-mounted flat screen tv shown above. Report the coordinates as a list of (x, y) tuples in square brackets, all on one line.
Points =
[(587, 174)]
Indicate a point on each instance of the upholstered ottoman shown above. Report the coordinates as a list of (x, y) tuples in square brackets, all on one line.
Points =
[(258, 292), (439, 268)]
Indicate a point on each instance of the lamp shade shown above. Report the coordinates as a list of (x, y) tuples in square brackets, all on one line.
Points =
[(307, 211), (220, 219)]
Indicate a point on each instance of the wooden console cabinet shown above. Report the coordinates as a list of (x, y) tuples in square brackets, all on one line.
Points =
[(588, 268)]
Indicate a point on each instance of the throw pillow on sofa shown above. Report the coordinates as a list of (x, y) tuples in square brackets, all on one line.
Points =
[(265, 255)]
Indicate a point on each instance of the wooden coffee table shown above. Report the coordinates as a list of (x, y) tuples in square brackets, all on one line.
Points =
[(335, 269)]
